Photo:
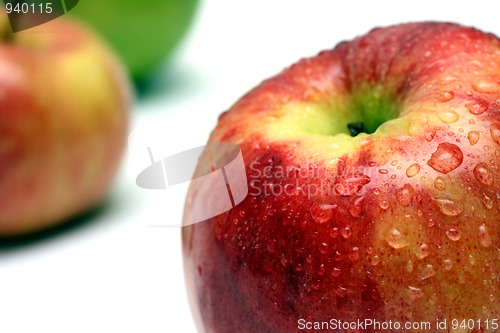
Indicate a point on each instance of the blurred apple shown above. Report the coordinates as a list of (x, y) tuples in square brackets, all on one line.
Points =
[(64, 109), (143, 33)]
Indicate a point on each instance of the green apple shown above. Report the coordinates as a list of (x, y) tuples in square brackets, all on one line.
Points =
[(64, 109), (143, 33), (374, 193)]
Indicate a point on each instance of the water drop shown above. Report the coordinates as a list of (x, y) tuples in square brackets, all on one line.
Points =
[(487, 201), (336, 272), (446, 158), (409, 266), (354, 254), (341, 291), (447, 264), (405, 195), (449, 207), (271, 247), (483, 174), (375, 260), (299, 267), (453, 234), (423, 251), (485, 87), (334, 232), (440, 183), (473, 137), (355, 208), (446, 96), (384, 204), (321, 213), (323, 248), (346, 232), (429, 135), (351, 184), (396, 240), (477, 108), (448, 116), (426, 273), (383, 171), (495, 135), (414, 293), (376, 191), (484, 237), (284, 261), (413, 170), (321, 270)]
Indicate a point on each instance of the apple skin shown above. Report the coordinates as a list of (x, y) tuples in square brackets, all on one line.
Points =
[(64, 107), (406, 224), (142, 33)]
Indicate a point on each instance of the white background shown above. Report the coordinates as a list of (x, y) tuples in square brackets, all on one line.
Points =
[(119, 271)]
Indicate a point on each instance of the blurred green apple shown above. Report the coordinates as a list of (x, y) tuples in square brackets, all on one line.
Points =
[(143, 33)]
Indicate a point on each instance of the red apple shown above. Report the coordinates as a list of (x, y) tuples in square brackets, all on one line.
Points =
[(64, 109), (374, 192)]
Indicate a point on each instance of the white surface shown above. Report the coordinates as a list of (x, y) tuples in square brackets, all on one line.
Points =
[(119, 273)]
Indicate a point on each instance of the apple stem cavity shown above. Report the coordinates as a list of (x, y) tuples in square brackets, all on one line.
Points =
[(372, 106), (356, 128)]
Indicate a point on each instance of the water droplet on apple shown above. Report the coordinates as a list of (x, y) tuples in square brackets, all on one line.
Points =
[(321, 270), (321, 213), (375, 260), (341, 291), (271, 246), (495, 135), (356, 207), (336, 272), (298, 267), (354, 254), (384, 204), (448, 116), (409, 266), (349, 185), (484, 237), (284, 261), (323, 248), (446, 96), (440, 183), (429, 135), (449, 207), (487, 201), (427, 272), (413, 170), (405, 195), (483, 174), (485, 87), (447, 264), (383, 171), (453, 234), (346, 232), (395, 239), (334, 232), (414, 293), (446, 158), (477, 108), (423, 251), (473, 137)]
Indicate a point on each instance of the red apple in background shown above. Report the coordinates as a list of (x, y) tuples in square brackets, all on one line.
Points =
[(374, 190), (64, 109)]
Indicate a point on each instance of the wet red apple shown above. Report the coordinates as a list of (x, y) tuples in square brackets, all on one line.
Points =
[(374, 192)]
